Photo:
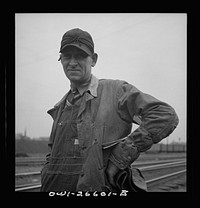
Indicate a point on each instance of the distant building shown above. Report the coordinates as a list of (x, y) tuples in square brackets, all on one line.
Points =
[(21, 136)]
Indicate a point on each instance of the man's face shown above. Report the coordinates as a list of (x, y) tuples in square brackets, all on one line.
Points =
[(77, 64)]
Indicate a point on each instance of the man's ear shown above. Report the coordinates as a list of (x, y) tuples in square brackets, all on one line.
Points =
[(94, 59)]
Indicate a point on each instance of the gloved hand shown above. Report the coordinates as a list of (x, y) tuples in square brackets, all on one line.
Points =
[(111, 171)]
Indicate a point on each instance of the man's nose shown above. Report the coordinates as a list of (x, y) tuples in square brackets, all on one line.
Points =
[(73, 62)]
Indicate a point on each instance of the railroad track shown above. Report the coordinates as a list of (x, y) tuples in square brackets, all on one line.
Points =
[(30, 161), (154, 184), (148, 170), (37, 161)]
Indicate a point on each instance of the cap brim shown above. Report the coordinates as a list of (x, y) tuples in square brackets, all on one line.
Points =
[(82, 47)]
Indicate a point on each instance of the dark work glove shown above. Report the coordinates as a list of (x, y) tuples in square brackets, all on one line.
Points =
[(111, 171)]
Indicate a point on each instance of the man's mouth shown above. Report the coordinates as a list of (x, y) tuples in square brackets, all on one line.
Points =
[(73, 70)]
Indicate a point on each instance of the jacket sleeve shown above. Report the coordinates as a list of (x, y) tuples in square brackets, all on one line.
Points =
[(158, 120)]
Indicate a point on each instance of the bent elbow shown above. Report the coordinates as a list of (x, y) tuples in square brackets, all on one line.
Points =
[(169, 127)]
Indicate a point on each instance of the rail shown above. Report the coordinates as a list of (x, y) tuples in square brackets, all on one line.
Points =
[(155, 181), (41, 160), (166, 163), (146, 168)]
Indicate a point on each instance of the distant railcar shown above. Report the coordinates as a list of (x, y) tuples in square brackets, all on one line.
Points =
[(168, 148)]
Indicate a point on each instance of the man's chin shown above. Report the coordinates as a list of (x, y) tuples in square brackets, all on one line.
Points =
[(75, 79)]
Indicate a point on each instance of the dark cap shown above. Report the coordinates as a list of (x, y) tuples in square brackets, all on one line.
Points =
[(78, 38)]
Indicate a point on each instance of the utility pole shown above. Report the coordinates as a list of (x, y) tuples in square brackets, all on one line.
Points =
[(25, 133)]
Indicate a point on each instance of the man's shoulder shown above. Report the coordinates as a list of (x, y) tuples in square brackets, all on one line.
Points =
[(112, 82), (111, 86)]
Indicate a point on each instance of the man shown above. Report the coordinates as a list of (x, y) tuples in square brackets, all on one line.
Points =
[(91, 139)]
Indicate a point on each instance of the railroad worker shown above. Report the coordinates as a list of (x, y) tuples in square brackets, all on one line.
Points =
[(91, 138)]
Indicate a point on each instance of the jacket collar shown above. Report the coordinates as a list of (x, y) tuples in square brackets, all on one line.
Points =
[(92, 88)]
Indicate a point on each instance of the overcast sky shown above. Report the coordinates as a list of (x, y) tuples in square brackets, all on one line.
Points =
[(147, 50)]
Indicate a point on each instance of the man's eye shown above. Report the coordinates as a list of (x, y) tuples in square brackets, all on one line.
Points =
[(81, 56), (77, 56), (66, 56)]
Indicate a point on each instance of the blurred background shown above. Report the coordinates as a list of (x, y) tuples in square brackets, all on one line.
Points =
[(146, 50)]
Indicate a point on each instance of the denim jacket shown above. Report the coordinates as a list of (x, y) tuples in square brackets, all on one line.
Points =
[(107, 112)]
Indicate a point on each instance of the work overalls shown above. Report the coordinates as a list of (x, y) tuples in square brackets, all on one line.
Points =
[(66, 159)]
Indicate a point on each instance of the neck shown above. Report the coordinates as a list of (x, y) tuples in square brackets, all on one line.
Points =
[(80, 84)]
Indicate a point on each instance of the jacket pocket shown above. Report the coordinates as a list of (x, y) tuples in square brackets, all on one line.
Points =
[(92, 175), (85, 133)]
